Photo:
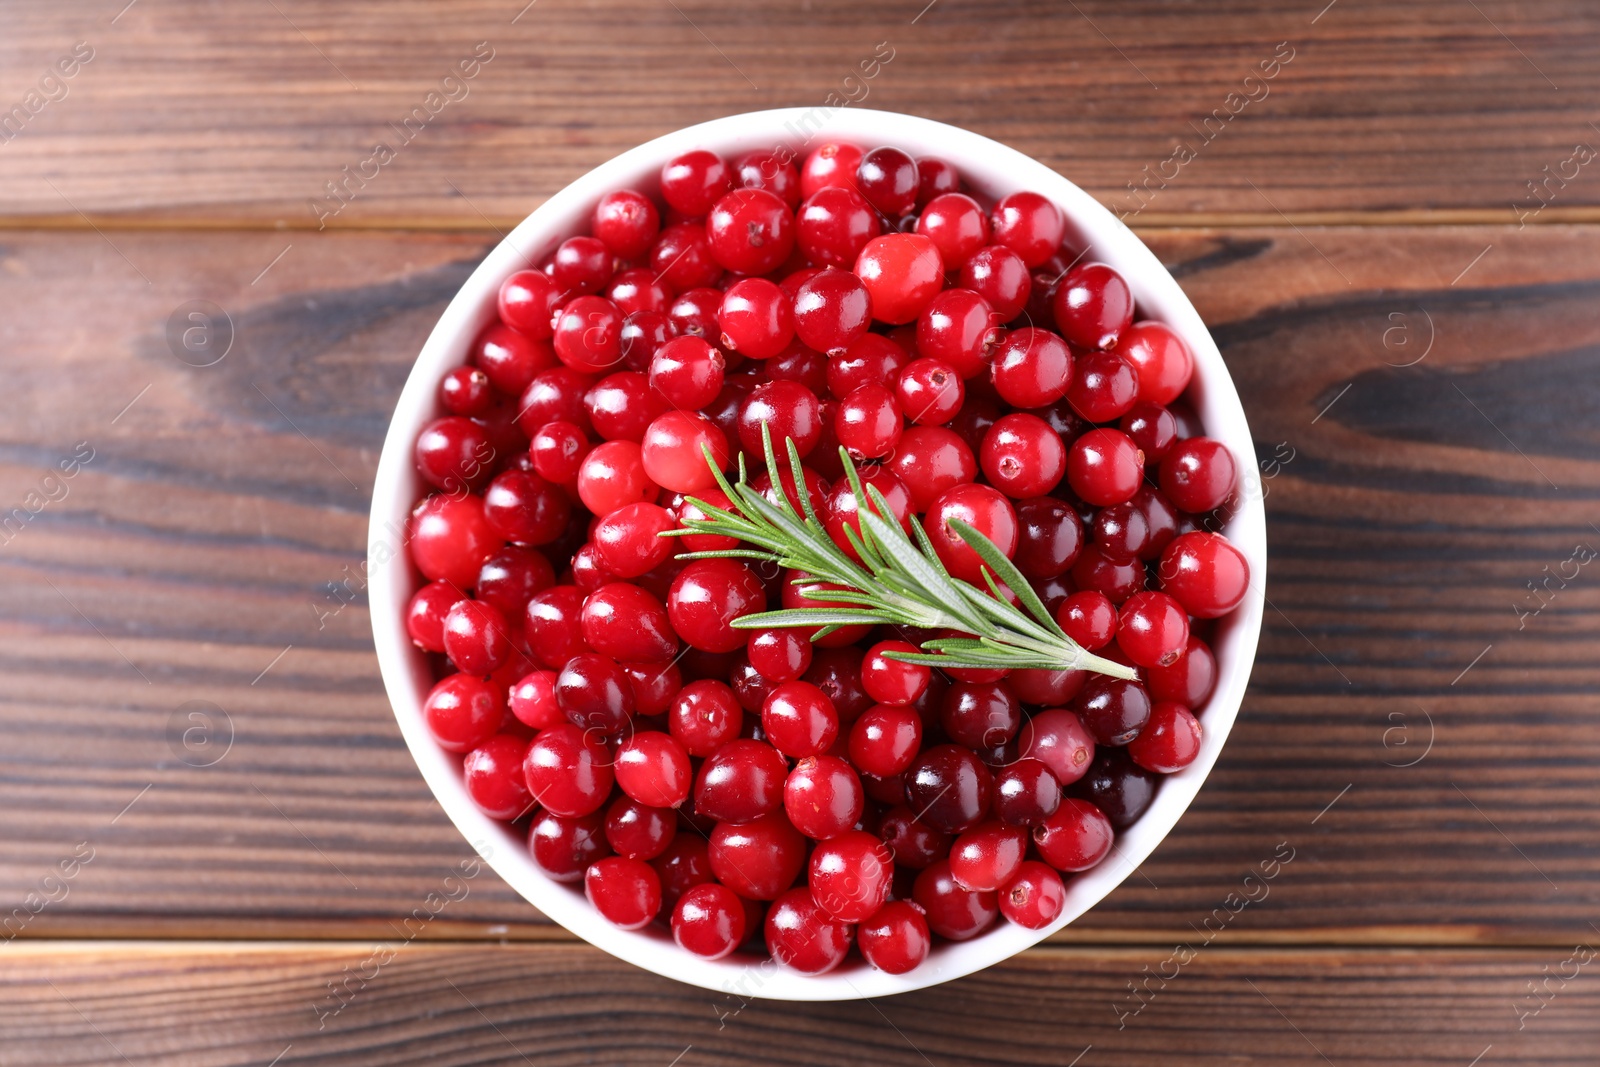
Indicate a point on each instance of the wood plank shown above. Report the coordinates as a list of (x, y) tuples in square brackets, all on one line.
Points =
[(190, 562), (1398, 109), (226, 1004)]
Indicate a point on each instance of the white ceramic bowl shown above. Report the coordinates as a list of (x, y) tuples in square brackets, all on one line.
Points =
[(995, 170)]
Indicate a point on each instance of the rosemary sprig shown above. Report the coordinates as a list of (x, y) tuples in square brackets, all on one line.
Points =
[(900, 581)]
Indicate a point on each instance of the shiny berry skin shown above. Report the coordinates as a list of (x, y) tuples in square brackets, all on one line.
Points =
[(634, 291), (1030, 226), (1032, 368), (834, 225), (510, 359), (554, 394), (588, 335), (1189, 681), (756, 319), (895, 938), (450, 539), (1104, 386), (980, 715), (891, 681), (788, 411), (1152, 629), (1105, 467), (466, 391), (1117, 786), (687, 372), (1093, 306), (773, 171), (1153, 428), (872, 358), (999, 276), (914, 843), (1123, 531), (887, 177), (751, 690), (643, 334), (957, 227), (654, 685), (832, 310), (1198, 474), (1112, 710), (681, 257), (935, 178), (463, 711), (511, 576), (803, 937), (741, 781), (1206, 574), (1049, 537), (673, 452), (1035, 897), (568, 771), (985, 510), (1022, 456), (832, 164), (594, 693), (708, 921), (930, 391), (527, 302), (850, 875), (684, 864), (841, 514), (612, 476), (781, 655), (1162, 358), (557, 451), (581, 265), (637, 830), (823, 797), (953, 912), (1058, 739), (694, 313), (626, 891), (930, 460), (751, 231), (653, 769), (902, 273), (692, 182), (522, 507), (564, 848), (1089, 618), (707, 596), (1025, 793), (988, 856), (1118, 579), (626, 222), (476, 636), (1075, 838), (885, 739), (425, 614), (454, 454), (1169, 742), (705, 542), (758, 859), (552, 624), (629, 539), (704, 716), (950, 786), (799, 720), (868, 422)]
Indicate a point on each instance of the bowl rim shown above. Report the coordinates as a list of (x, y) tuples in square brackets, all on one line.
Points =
[(987, 165)]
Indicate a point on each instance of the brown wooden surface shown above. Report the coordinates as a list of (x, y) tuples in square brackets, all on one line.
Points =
[(1436, 889)]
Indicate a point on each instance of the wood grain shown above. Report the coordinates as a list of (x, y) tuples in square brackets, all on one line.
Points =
[(239, 115), (561, 1004), (192, 557)]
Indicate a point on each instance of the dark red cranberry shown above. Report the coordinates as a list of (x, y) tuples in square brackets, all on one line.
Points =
[(595, 694), (741, 781), (949, 787), (564, 848), (1117, 786), (1025, 793), (758, 859), (952, 911)]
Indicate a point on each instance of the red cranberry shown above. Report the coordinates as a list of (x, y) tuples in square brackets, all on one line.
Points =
[(929, 391), (450, 539), (588, 334), (751, 231), (773, 171), (902, 273), (681, 257), (823, 797), (564, 848), (953, 912), (1022, 457), (595, 694), (454, 454), (930, 460), (552, 624), (466, 391), (787, 411), (892, 681), (843, 510), (1113, 710), (568, 770), (887, 177), (637, 830), (850, 875), (1032, 368), (1093, 306), (837, 672), (1034, 898), (708, 596), (1117, 786), (981, 715), (653, 769), (1075, 838), (673, 453), (692, 182), (511, 359), (1049, 537), (871, 358), (527, 302), (709, 921), (1105, 467), (1188, 681), (895, 938), (1206, 574), (1025, 793), (1104, 386), (704, 716), (832, 310), (914, 843), (1198, 474), (1153, 428), (1162, 358), (554, 395), (982, 508), (988, 856), (957, 327), (1152, 629), (758, 859), (1169, 742), (741, 781), (756, 319), (476, 636), (1058, 739), (957, 227), (425, 614), (834, 225), (686, 863), (627, 222), (799, 720), (643, 334), (613, 475), (949, 787), (831, 164), (868, 423), (1030, 226), (803, 937), (463, 711), (1089, 618), (780, 655), (998, 274), (626, 891)]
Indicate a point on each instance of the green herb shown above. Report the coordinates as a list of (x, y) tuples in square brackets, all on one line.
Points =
[(900, 582)]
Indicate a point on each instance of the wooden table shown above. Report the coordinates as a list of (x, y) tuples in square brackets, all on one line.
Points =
[(213, 836)]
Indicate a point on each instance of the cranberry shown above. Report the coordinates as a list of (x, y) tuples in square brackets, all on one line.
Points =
[(1075, 838), (637, 830), (1093, 306), (929, 391), (758, 859), (982, 508), (871, 358), (476, 636), (687, 510), (803, 937), (1043, 688), (1049, 537), (1152, 629), (1058, 739), (627, 222), (704, 716), (1153, 428), (949, 787), (527, 302), (593, 692), (981, 714), (1189, 680), (588, 334), (837, 672), (885, 739), (1206, 574), (425, 614), (823, 797), (463, 711), (957, 227), (613, 475), (756, 319), (687, 372), (568, 770), (552, 624), (466, 391), (780, 655), (834, 225), (1032, 368), (653, 769), (999, 276), (741, 781), (673, 454), (930, 460), (914, 843), (450, 539), (1089, 618), (935, 178), (1105, 467), (1117, 786), (953, 912), (787, 411), (895, 938), (643, 334), (799, 720), (510, 359), (1104, 386), (1169, 742), (686, 863), (709, 921), (563, 848), (1113, 710), (707, 596), (773, 171), (1025, 793), (902, 273), (842, 510), (751, 231), (751, 689), (868, 423), (832, 310), (554, 394), (1030, 226), (1197, 474), (850, 875), (626, 891), (888, 178), (629, 539), (681, 257), (892, 681), (988, 856), (832, 164), (1022, 457), (1162, 358), (1034, 898), (692, 182)]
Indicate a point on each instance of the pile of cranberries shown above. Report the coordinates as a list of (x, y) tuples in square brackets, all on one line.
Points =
[(757, 789)]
